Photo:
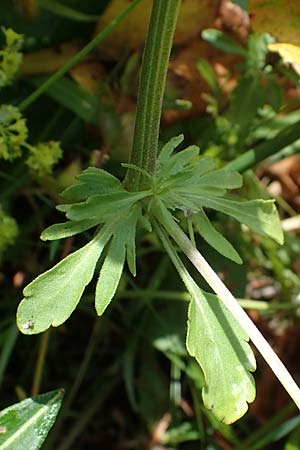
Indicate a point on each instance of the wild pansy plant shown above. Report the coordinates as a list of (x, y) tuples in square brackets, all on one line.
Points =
[(153, 190)]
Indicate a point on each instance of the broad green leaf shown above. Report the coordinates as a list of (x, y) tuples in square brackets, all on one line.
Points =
[(223, 42), (214, 238), (92, 181), (101, 206), (52, 297), (26, 424), (110, 272), (221, 348), (216, 340), (259, 215), (66, 229)]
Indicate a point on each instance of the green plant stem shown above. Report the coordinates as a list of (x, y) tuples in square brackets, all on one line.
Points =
[(38, 371), (151, 90), (265, 149), (78, 57), (258, 305), (229, 301)]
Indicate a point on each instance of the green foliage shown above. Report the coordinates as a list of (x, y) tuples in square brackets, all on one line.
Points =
[(8, 230), (220, 346), (51, 298), (10, 57), (183, 181), (189, 183), (26, 424), (13, 132)]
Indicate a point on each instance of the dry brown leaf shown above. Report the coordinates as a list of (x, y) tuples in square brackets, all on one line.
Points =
[(88, 75), (49, 59), (185, 80), (281, 18), (130, 34)]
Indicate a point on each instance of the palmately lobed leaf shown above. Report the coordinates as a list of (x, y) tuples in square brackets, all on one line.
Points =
[(221, 348), (122, 246)]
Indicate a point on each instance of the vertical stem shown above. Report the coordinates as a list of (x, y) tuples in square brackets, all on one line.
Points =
[(38, 372), (151, 90)]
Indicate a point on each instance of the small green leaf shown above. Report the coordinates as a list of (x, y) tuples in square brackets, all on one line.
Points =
[(92, 181), (52, 297), (169, 148), (221, 41), (207, 72), (259, 215), (67, 229), (214, 238), (220, 346), (26, 424), (110, 272)]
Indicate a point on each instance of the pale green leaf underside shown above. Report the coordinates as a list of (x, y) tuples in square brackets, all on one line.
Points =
[(27, 423), (110, 273), (67, 229), (214, 238), (260, 216), (52, 297), (220, 346)]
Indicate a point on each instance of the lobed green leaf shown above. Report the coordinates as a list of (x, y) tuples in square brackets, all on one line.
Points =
[(260, 216), (220, 346), (52, 297)]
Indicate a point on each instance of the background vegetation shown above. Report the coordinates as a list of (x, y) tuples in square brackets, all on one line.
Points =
[(233, 90)]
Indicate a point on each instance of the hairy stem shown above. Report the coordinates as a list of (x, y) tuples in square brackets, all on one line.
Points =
[(151, 90)]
